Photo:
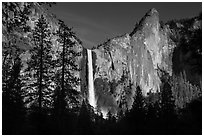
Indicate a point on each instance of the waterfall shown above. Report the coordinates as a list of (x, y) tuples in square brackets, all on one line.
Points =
[(91, 99)]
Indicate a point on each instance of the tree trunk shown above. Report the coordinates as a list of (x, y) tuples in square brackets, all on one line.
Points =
[(63, 68), (41, 73)]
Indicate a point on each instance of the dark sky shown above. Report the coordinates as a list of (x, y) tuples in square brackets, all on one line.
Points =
[(94, 23)]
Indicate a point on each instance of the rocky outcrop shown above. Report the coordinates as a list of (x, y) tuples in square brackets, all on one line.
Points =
[(125, 62)]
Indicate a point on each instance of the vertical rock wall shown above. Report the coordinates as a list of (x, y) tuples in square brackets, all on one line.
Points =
[(125, 62)]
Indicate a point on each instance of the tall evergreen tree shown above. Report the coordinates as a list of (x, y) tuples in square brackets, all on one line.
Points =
[(84, 124), (167, 101), (12, 101), (37, 82), (14, 27), (67, 66), (136, 116), (167, 114), (138, 104)]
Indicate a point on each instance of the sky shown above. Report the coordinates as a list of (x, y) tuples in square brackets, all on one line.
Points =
[(94, 23)]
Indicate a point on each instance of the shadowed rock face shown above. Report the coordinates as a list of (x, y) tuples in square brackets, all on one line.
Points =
[(125, 62)]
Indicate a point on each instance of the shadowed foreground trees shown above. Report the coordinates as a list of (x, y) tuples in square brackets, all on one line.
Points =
[(29, 71), (13, 29), (159, 117)]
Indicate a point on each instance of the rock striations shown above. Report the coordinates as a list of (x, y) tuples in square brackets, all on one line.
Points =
[(125, 62)]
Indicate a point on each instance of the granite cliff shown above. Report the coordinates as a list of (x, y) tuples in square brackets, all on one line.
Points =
[(125, 62)]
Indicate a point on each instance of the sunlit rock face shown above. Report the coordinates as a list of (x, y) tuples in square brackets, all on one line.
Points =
[(125, 62)]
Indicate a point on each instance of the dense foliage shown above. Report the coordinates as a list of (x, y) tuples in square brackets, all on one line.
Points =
[(32, 76)]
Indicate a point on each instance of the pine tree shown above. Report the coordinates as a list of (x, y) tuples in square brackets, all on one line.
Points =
[(138, 104), (167, 116), (84, 124), (67, 66), (134, 119), (167, 101), (37, 79), (14, 84), (14, 27), (12, 101)]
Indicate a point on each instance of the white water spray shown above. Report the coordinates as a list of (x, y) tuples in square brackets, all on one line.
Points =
[(92, 100)]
